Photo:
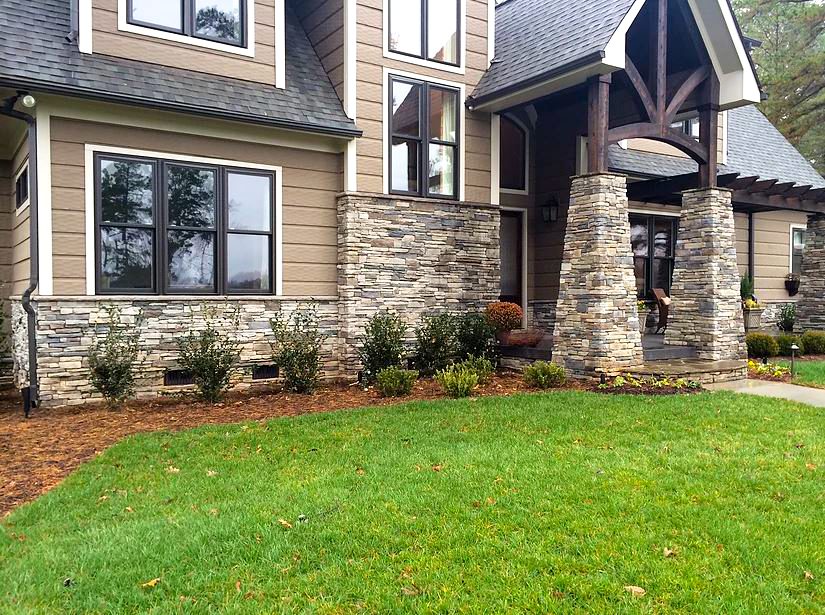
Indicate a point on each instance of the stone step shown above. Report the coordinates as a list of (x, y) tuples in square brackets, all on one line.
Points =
[(701, 371), (668, 353)]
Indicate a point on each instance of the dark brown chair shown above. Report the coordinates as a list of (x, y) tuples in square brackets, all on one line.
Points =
[(663, 302)]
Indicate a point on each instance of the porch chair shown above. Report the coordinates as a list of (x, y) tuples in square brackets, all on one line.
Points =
[(663, 301)]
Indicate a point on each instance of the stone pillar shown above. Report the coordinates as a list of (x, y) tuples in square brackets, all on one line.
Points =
[(810, 310), (706, 309), (597, 319)]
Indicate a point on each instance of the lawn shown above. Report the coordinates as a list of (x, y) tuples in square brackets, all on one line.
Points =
[(810, 373), (536, 503)]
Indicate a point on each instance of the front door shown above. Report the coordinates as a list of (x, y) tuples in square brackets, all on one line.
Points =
[(512, 257)]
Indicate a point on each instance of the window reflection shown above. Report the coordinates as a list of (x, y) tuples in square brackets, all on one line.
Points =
[(219, 19)]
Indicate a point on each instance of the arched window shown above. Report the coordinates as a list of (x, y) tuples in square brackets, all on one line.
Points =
[(513, 156)]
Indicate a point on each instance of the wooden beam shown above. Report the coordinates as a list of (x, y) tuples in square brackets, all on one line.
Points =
[(709, 132), (779, 189), (640, 87), (799, 191), (817, 194), (687, 88), (598, 109), (746, 198), (665, 188), (762, 186), (661, 59), (743, 183)]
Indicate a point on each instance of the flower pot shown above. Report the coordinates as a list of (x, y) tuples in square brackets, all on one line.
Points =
[(753, 318), (792, 286), (503, 337)]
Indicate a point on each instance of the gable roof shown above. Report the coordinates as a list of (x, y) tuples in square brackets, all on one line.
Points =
[(34, 54), (755, 149)]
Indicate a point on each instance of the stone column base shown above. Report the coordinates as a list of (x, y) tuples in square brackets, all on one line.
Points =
[(597, 319), (810, 310)]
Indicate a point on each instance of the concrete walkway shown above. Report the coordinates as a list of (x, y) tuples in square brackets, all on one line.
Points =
[(778, 390)]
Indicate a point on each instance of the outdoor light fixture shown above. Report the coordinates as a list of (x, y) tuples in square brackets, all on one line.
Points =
[(29, 101), (794, 350), (550, 212)]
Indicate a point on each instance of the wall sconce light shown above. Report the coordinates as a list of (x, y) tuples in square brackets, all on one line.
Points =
[(550, 212)]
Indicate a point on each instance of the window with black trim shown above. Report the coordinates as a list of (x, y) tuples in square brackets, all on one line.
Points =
[(797, 249), (426, 29), (220, 21), (183, 228), (653, 241), (513, 155), (424, 129), (21, 187)]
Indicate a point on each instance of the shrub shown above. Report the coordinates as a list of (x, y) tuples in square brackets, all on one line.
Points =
[(787, 317), (211, 354), (457, 380), (813, 343), (436, 343), (785, 342), (474, 336), (746, 287), (382, 345), (544, 375), (481, 366), (504, 316), (297, 349), (395, 382), (761, 345), (114, 359)]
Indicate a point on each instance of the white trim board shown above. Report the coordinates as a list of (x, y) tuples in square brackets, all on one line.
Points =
[(89, 197), (462, 124), (527, 160), (45, 250), (495, 159), (350, 91), (280, 41), (794, 227)]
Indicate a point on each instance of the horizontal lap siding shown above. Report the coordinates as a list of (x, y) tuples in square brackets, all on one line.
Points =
[(20, 273), (370, 97), (323, 21), (108, 40), (311, 181)]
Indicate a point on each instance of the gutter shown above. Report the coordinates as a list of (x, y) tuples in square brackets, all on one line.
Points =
[(30, 393)]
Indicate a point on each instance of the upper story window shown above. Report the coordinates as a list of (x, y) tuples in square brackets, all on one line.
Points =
[(690, 127), (797, 248), (179, 227), (21, 188), (219, 21), (513, 156), (424, 129), (426, 29)]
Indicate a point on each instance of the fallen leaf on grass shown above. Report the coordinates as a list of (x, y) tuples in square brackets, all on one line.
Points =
[(491, 502), (809, 576), (438, 468), (211, 473), (810, 466), (635, 590), (285, 524), (411, 590), (238, 586), (150, 584), (669, 552), (173, 470), (360, 471)]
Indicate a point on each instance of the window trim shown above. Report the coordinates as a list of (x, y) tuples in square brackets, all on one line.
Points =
[(23, 205), (459, 67), (652, 216), (247, 48), (792, 229), (94, 151), (521, 126)]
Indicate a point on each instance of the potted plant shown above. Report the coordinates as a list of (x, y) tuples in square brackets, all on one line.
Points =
[(753, 314), (504, 317), (792, 284), (645, 315)]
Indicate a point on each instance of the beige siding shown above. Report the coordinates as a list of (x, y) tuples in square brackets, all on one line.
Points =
[(371, 99), (6, 221), (311, 181), (323, 21), (108, 40)]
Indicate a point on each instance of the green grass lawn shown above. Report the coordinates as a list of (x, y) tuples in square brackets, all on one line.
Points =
[(811, 373), (545, 503)]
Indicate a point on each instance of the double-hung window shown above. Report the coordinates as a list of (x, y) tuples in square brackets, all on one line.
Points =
[(426, 29), (424, 129), (797, 249), (220, 21), (180, 227), (653, 241)]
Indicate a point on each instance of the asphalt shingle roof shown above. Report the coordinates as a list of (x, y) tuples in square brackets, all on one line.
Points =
[(755, 148), (538, 38), (34, 53)]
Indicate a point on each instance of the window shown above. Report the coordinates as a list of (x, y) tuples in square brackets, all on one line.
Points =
[(513, 157), (21, 187), (424, 138), (653, 241), (174, 227), (426, 29), (690, 127), (797, 248), (220, 21)]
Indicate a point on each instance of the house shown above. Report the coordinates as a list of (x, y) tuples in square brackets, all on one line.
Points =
[(362, 154)]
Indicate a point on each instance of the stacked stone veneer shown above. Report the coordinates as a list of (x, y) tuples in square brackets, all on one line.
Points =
[(68, 327), (542, 315), (597, 320), (810, 310), (413, 256), (706, 309)]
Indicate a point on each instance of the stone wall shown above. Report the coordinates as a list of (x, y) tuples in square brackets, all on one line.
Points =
[(597, 320), (413, 256), (68, 327), (810, 310), (542, 315), (706, 309)]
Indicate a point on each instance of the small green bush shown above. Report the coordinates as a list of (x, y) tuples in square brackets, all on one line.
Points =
[(475, 337), (436, 343), (382, 345), (211, 354), (113, 359), (395, 382), (785, 341), (482, 367), (761, 345), (457, 380), (746, 287), (544, 375), (787, 317), (297, 349), (813, 342)]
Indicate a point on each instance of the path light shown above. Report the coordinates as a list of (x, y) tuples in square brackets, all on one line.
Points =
[(794, 349)]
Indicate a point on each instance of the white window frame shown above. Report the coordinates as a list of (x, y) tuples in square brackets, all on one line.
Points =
[(527, 161), (462, 89), (25, 204), (89, 187), (461, 69), (794, 227)]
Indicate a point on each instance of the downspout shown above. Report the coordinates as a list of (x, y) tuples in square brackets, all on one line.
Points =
[(30, 393)]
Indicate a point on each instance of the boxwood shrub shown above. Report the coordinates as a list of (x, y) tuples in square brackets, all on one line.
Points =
[(814, 342), (761, 346)]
